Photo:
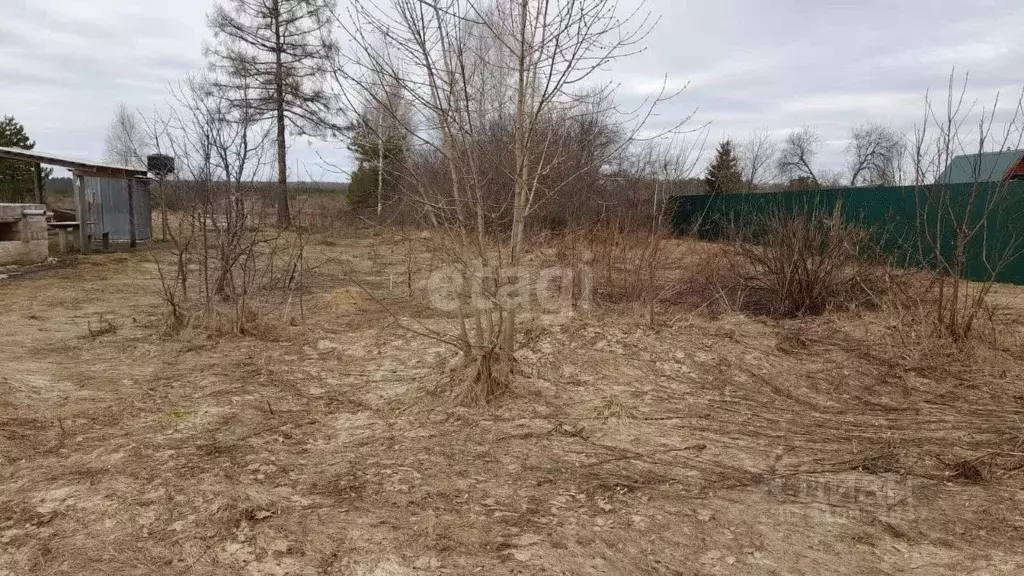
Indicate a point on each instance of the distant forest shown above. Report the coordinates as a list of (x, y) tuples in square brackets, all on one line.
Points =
[(59, 186), (63, 186)]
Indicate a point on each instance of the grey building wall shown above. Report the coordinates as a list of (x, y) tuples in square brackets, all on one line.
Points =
[(109, 208)]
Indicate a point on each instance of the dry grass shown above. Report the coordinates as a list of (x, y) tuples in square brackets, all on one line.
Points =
[(328, 214), (850, 443)]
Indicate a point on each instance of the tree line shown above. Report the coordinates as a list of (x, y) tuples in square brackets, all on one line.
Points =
[(875, 155)]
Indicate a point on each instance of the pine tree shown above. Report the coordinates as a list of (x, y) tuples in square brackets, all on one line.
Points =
[(16, 176), (278, 53), (724, 175), (379, 140), (380, 153)]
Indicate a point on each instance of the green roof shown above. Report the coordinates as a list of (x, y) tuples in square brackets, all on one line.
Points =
[(988, 167)]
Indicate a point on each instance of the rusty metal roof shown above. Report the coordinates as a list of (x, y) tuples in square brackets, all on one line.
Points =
[(82, 167)]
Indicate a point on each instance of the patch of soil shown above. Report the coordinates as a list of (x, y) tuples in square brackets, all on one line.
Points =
[(701, 446)]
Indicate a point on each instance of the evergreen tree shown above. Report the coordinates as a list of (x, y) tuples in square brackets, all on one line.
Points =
[(362, 188), (379, 154), (16, 176), (724, 175), (277, 55), (378, 140)]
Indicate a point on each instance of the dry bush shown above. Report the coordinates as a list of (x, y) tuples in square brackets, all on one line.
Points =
[(618, 263), (801, 263), (232, 273), (628, 263), (916, 317), (806, 262), (707, 282)]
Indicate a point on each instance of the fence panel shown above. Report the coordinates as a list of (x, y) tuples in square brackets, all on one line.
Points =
[(917, 225)]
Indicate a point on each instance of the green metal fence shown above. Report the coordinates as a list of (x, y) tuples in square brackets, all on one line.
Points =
[(919, 226)]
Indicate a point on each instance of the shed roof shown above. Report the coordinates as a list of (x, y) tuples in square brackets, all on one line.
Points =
[(987, 167), (86, 168)]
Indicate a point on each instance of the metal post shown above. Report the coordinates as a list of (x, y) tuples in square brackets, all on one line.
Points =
[(81, 213)]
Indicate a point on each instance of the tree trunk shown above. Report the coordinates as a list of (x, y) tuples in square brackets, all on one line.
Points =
[(522, 152), (380, 164), (284, 215)]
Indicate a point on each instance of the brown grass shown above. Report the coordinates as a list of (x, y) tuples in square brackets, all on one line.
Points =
[(850, 443)]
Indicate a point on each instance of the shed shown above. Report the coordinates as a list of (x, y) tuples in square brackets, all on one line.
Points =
[(988, 167), (110, 200)]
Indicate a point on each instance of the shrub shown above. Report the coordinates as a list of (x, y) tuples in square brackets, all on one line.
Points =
[(806, 262), (230, 272)]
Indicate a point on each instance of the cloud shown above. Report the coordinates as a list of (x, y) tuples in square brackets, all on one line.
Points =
[(832, 65), (65, 65)]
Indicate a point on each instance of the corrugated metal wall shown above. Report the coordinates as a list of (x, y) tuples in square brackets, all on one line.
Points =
[(916, 224), (108, 207)]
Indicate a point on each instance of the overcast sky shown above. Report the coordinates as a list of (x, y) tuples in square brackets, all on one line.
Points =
[(65, 65)]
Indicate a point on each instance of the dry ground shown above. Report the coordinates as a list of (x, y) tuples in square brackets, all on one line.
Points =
[(728, 445)]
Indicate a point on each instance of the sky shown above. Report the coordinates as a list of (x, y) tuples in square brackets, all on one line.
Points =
[(777, 65)]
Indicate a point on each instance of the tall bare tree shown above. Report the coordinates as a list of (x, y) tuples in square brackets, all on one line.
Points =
[(798, 155), (876, 156), (127, 139), (968, 227), (489, 80), (757, 156), (280, 52)]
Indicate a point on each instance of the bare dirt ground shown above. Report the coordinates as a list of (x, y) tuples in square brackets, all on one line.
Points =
[(728, 445)]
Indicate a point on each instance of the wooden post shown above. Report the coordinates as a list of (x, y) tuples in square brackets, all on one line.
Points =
[(131, 212), (164, 227), (81, 212), (37, 182)]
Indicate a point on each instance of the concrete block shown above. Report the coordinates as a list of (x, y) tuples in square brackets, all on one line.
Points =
[(23, 239), (12, 212)]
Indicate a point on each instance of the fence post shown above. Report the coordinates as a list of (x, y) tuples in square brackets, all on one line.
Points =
[(131, 213)]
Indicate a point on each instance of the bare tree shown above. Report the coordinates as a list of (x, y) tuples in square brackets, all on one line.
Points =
[(968, 231), (127, 139), (876, 153), (758, 156), (280, 52), (230, 272), (798, 155), (474, 69)]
